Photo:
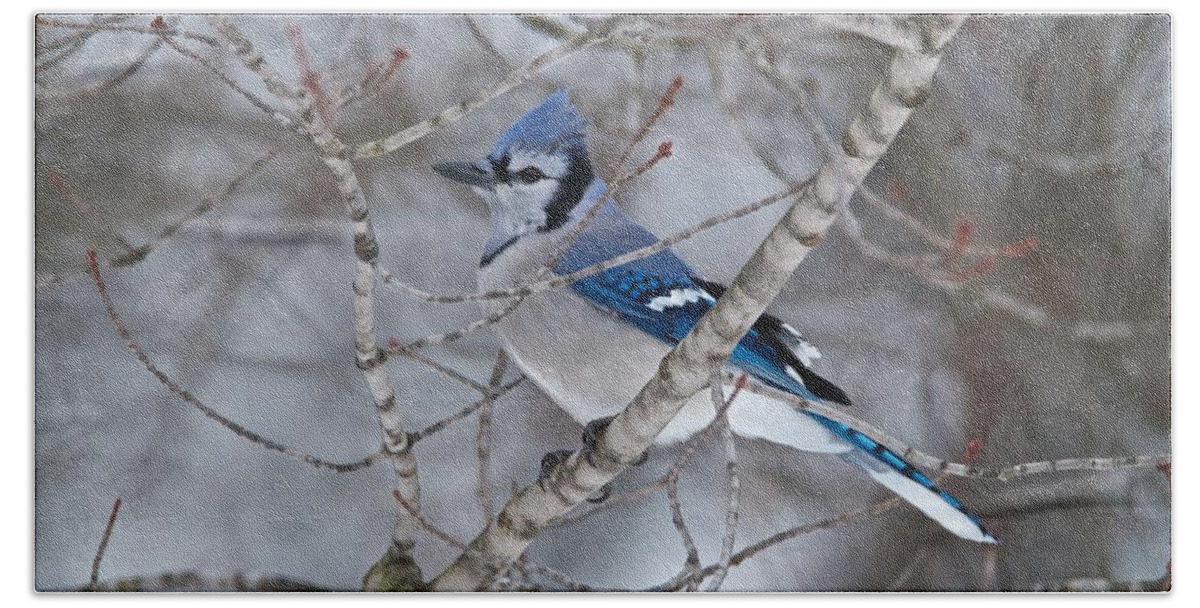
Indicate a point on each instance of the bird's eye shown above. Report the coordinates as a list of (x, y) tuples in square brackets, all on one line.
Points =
[(530, 175)]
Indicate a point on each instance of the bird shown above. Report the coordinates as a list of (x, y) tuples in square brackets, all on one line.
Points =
[(592, 346)]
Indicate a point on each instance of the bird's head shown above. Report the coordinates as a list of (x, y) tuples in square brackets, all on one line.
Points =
[(536, 173)]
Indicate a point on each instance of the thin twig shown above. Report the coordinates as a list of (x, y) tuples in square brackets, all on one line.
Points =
[(135, 29), (693, 556), (914, 564), (136, 64), (567, 583), (483, 440), (72, 41), (140, 252), (664, 103), (416, 514), (237, 429), (482, 38), (842, 518), (276, 114), (491, 396), (732, 480), (394, 348), (452, 114), (373, 81), (108, 530), (207, 204), (86, 209), (466, 330)]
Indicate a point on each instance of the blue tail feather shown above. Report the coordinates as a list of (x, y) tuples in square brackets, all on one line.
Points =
[(896, 464)]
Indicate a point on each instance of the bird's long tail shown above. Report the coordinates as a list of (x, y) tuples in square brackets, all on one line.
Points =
[(760, 416), (898, 475)]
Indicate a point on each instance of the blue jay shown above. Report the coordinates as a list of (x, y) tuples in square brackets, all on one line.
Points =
[(590, 348)]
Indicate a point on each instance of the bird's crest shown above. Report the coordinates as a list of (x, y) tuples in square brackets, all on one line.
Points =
[(552, 126)]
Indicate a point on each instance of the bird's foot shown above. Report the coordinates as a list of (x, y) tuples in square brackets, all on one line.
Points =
[(549, 461)]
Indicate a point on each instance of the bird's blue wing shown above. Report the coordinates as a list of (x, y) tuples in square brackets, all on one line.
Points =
[(662, 296)]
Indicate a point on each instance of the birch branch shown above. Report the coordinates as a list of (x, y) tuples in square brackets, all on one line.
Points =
[(687, 369), (369, 358), (449, 539), (278, 116), (690, 446)]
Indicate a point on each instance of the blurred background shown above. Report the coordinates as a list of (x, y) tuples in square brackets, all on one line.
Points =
[(1003, 279)]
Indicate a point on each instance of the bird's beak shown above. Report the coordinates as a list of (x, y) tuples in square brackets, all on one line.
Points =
[(465, 173)]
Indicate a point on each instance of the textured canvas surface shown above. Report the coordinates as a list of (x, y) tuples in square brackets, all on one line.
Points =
[(250, 277)]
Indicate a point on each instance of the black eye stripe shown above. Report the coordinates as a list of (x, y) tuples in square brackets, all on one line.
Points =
[(530, 175)]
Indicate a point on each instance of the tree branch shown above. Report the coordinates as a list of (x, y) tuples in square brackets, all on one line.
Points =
[(369, 358), (108, 530)]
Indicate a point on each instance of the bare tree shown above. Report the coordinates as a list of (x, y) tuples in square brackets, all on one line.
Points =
[(997, 287)]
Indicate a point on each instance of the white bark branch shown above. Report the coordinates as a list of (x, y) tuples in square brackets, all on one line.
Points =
[(370, 358)]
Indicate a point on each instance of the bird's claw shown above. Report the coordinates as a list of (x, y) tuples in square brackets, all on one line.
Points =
[(593, 430), (557, 457), (549, 461), (600, 495)]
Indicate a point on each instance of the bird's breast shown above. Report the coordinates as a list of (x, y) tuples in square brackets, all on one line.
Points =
[(590, 362)]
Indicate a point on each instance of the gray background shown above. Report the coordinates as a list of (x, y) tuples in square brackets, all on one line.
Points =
[(1054, 128)]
